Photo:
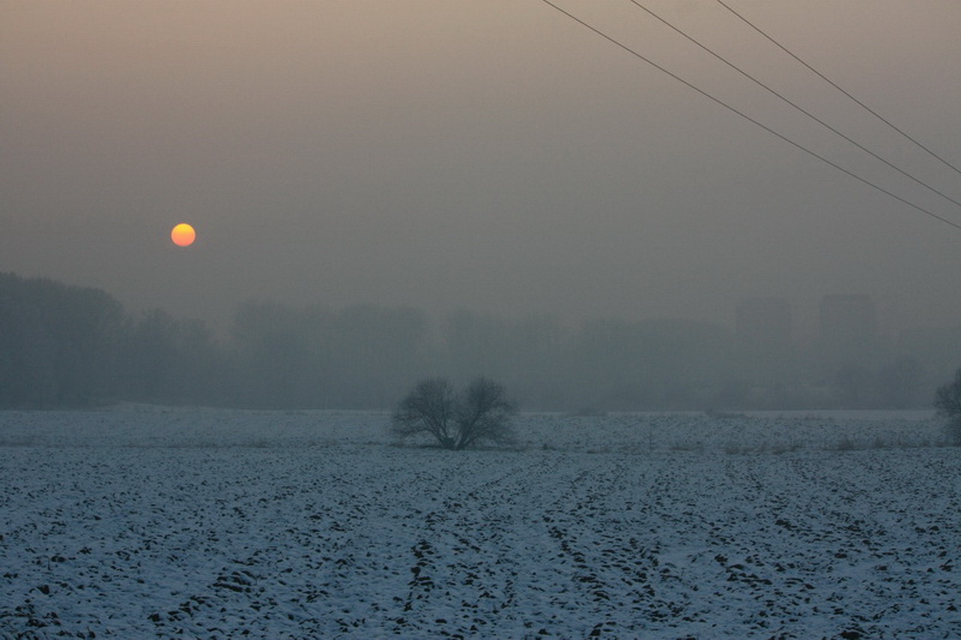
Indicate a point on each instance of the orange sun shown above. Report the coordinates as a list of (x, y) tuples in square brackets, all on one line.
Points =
[(183, 235)]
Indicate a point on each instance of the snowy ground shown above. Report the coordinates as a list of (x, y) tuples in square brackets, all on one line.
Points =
[(140, 522)]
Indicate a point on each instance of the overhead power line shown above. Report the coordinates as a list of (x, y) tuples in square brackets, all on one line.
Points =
[(839, 88), (793, 104), (753, 121)]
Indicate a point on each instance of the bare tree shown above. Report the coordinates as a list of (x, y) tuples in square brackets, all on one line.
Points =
[(428, 408), (455, 420), (947, 400), (484, 413)]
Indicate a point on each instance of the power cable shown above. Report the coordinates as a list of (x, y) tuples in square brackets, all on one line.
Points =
[(838, 87), (757, 123), (792, 103)]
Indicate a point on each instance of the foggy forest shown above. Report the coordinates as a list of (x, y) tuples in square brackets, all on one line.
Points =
[(71, 346)]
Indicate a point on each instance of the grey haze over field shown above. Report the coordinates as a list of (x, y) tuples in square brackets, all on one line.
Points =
[(494, 156)]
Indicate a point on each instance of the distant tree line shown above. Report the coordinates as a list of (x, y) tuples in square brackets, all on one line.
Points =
[(64, 345)]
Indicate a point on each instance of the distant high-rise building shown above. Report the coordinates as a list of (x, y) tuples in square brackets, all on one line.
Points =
[(764, 344)]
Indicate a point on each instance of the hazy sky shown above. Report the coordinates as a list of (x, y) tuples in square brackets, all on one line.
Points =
[(491, 155)]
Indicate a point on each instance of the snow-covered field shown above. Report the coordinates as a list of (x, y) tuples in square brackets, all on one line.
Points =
[(142, 522)]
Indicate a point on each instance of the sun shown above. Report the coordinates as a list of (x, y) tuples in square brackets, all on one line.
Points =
[(183, 235)]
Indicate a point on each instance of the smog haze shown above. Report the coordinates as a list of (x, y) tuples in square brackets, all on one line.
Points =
[(493, 156)]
